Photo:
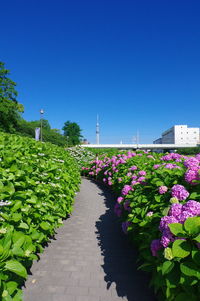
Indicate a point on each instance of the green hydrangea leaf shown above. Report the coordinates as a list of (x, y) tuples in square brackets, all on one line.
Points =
[(192, 225), (181, 248), (16, 267)]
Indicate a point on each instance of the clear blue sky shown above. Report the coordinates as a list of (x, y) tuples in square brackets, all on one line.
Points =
[(135, 63)]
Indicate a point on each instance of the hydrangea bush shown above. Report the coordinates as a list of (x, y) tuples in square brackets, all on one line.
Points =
[(81, 155), (38, 182), (159, 207)]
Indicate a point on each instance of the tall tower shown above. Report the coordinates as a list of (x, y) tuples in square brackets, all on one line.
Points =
[(97, 130)]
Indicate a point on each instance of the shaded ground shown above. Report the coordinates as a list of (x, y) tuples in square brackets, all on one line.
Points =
[(90, 258)]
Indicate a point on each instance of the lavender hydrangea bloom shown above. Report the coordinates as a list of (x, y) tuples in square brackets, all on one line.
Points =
[(126, 189), (155, 246), (184, 215), (165, 221), (125, 226), (191, 162), (133, 167), (192, 207), (120, 199), (127, 206), (162, 189), (118, 210), (198, 157), (191, 175), (165, 241), (175, 210), (156, 166), (142, 173), (141, 180), (129, 174), (171, 166), (150, 213), (179, 192)]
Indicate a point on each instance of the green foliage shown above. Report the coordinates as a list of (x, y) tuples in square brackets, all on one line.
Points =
[(38, 182), (9, 107), (189, 151), (27, 128), (72, 133)]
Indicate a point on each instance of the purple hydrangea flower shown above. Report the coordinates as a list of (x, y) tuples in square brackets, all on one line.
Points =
[(118, 210), (127, 206), (142, 173), (125, 226), (179, 192), (192, 207), (192, 175), (156, 166), (126, 189), (165, 221), (175, 210), (133, 167), (191, 162), (184, 215), (141, 179), (155, 246), (165, 241), (129, 174)]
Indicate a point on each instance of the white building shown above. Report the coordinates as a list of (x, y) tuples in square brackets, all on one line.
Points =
[(180, 134)]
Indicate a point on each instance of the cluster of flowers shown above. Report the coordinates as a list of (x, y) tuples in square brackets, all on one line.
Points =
[(193, 169), (178, 213), (5, 203), (111, 166), (81, 155)]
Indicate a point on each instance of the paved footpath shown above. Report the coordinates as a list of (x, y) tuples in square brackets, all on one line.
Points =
[(90, 258)]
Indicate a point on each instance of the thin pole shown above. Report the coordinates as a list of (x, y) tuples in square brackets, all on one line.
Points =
[(41, 127), (41, 113)]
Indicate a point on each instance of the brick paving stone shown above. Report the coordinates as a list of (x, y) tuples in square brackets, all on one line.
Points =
[(89, 258)]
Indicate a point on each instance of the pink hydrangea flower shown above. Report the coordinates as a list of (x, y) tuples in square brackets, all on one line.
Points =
[(126, 189), (120, 199), (142, 173), (150, 213), (162, 189)]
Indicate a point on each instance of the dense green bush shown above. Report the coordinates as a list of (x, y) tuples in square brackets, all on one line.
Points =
[(82, 156), (189, 151), (27, 128), (38, 182)]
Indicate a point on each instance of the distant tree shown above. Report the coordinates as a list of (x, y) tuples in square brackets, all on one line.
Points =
[(27, 128), (37, 124), (72, 132), (9, 106)]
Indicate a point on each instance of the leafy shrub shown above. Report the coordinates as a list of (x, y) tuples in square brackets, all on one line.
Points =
[(38, 182), (158, 204), (81, 155)]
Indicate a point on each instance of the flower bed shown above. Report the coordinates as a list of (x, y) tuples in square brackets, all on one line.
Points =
[(38, 182), (158, 204)]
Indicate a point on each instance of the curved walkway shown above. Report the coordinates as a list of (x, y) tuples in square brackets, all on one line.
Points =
[(90, 258)]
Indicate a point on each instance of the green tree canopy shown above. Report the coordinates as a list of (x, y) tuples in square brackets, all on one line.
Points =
[(72, 132), (27, 128), (9, 106)]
